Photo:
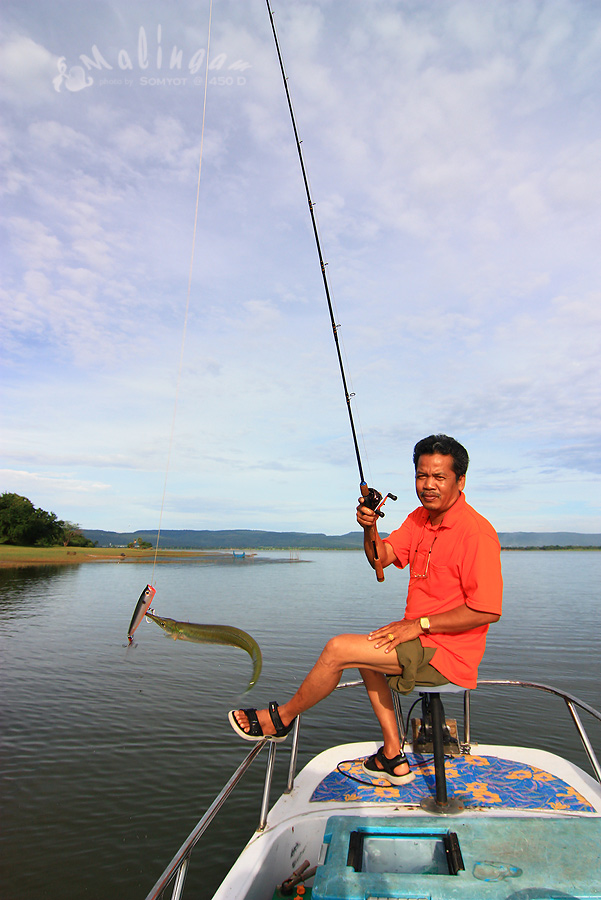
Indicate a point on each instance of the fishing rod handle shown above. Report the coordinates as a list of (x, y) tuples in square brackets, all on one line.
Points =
[(373, 499), (378, 564)]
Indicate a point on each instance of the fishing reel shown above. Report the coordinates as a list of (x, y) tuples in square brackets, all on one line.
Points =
[(373, 499)]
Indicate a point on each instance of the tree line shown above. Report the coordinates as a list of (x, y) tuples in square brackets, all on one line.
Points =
[(24, 525)]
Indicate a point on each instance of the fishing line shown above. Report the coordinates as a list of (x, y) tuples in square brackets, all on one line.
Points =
[(188, 292), (371, 497), (147, 595)]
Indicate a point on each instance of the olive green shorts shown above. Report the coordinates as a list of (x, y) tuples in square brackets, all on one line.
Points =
[(415, 661)]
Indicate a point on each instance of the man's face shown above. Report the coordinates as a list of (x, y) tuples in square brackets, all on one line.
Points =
[(436, 484)]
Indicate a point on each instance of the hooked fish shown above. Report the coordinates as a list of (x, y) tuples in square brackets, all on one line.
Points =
[(144, 601), (213, 634)]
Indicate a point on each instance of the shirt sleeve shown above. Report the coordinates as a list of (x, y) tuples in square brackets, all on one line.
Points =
[(481, 577), (400, 541)]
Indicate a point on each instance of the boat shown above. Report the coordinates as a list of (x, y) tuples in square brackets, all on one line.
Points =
[(479, 821)]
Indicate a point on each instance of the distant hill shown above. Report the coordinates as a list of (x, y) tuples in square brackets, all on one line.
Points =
[(511, 539), (296, 540), (235, 538)]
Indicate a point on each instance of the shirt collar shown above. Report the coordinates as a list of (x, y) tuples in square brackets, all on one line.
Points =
[(451, 515)]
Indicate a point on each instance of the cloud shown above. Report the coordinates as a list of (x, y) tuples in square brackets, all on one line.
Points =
[(453, 157), (52, 135), (27, 69), (578, 456), (36, 482), (34, 243)]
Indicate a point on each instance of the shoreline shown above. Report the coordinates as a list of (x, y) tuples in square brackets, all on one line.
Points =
[(24, 557)]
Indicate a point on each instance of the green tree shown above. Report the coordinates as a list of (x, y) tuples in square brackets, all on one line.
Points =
[(22, 524), (73, 537)]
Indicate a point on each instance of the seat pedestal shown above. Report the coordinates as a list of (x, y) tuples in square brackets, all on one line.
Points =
[(440, 804)]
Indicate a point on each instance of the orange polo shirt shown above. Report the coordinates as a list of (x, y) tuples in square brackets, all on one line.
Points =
[(458, 562)]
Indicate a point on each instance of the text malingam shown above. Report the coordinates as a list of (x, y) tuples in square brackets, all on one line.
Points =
[(76, 78)]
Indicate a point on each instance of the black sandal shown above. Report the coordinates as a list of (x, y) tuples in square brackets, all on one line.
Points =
[(281, 730), (388, 766), (255, 732)]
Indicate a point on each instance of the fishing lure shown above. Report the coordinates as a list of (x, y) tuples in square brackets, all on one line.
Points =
[(144, 601)]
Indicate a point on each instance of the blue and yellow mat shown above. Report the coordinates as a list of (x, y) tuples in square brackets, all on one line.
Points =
[(478, 781)]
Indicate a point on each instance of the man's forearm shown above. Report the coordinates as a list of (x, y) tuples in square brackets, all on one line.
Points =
[(457, 620), (462, 618)]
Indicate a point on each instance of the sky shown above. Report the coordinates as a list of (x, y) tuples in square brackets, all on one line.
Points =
[(171, 361)]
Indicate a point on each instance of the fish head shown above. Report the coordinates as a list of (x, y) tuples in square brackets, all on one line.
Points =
[(168, 625)]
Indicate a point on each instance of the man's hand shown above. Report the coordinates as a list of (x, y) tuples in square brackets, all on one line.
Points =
[(395, 633), (368, 520), (366, 517), (454, 621)]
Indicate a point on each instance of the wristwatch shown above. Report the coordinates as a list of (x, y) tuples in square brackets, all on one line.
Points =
[(424, 623)]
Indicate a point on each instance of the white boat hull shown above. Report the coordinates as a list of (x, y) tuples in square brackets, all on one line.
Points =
[(296, 825)]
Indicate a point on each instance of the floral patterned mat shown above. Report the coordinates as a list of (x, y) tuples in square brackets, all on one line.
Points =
[(478, 781)]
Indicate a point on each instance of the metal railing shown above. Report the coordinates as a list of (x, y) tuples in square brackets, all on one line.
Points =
[(571, 702), (178, 867)]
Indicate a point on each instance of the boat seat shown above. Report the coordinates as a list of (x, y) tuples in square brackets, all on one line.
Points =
[(440, 688), (441, 803)]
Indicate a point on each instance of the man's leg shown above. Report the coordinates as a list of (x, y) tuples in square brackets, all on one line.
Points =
[(343, 652), (380, 698)]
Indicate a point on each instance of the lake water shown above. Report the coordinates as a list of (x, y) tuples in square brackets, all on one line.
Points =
[(111, 754)]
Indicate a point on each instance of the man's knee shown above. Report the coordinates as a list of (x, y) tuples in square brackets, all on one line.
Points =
[(336, 651)]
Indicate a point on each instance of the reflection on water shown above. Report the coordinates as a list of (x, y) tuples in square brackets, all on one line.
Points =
[(110, 754)]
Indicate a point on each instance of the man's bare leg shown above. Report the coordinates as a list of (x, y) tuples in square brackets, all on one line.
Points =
[(380, 698), (318, 684), (344, 652)]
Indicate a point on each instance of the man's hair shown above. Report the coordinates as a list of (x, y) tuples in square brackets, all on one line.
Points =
[(446, 446)]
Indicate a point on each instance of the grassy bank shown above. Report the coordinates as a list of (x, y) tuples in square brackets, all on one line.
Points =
[(19, 557)]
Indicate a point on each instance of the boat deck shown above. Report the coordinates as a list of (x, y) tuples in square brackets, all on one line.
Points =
[(479, 782)]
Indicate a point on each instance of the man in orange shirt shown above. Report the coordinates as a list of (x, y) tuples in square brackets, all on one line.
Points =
[(455, 592)]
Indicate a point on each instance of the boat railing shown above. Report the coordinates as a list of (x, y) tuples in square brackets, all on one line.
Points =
[(178, 867), (572, 703)]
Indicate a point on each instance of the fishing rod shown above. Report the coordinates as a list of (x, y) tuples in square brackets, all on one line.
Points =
[(372, 498)]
